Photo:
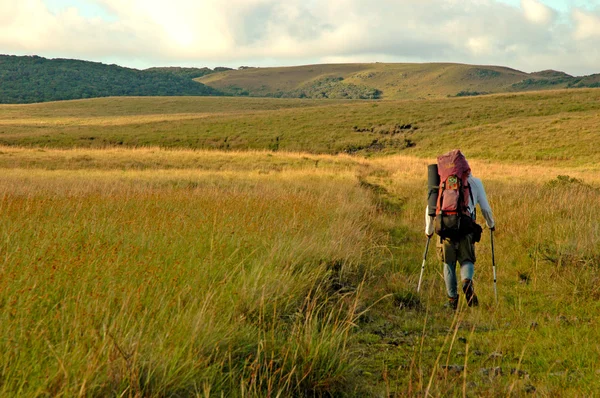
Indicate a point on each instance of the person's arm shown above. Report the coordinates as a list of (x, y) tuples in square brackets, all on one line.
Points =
[(484, 205), (428, 223)]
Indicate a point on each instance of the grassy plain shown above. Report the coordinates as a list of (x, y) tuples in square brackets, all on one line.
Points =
[(180, 281), (557, 127), (154, 271)]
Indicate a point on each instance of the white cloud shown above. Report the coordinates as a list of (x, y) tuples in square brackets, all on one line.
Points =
[(236, 32), (587, 25), (537, 12), (21, 23), (479, 45)]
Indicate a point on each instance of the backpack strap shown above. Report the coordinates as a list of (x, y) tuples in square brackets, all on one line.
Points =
[(474, 214), (442, 186)]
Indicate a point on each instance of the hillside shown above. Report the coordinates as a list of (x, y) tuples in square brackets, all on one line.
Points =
[(33, 79), (37, 79), (388, 81), (189, 73)]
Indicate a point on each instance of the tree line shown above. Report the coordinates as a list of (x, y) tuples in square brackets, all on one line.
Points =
[(29, 79)]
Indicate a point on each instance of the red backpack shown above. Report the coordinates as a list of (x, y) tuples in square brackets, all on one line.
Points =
[(452, 217)]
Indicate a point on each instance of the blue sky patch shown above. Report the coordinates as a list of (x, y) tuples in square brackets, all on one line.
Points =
[(87, 9), (562, 6)]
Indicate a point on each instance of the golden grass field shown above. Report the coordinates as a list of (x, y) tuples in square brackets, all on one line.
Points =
[(168, 282), (154, 271)]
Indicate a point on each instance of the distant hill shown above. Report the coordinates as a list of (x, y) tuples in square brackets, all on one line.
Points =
[(551, 74), (310, 81), (389, 81), (32, 79), (35, 79), (190, 73)]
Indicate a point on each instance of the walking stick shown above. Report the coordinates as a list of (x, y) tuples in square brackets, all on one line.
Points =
[(494, 266), (423, 265)]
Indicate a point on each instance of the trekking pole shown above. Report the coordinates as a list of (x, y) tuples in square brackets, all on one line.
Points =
[(423, 265), (494, 265)]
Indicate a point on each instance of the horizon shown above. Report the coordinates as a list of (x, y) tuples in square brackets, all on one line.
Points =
[(527, 35), (294, 66)]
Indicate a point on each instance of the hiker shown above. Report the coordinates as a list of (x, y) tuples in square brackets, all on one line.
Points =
[(454, 221)]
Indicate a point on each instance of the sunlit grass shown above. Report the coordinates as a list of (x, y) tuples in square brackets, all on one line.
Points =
[(152, 272), (180, 282), (155, 158), (547, 259), (556, 127)]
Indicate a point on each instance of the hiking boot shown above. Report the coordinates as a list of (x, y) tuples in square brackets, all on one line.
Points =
[(452, 303), (469, 292), (474, 301)]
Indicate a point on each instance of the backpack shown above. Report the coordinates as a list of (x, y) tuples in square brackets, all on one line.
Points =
[(452, 217)]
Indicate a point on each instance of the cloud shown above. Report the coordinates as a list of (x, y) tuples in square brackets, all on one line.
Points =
[(537, 12), (258, 32), (587, 25), (29, 27)]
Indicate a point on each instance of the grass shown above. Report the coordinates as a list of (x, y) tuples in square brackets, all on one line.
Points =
[(164, 278), (152, 271), (557, 128), (168, 282), (140, 106), (543, 325)]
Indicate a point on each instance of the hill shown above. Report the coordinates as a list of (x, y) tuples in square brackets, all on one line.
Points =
[(36, 79), (31, 79), (189, 73), (388, 81)]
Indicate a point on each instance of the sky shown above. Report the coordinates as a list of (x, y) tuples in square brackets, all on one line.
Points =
[(529, 35)]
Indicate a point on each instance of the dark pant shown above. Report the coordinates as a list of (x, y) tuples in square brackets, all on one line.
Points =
[(453, 252)]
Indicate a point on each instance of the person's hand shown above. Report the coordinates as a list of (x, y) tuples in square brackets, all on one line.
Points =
[(429, 236), (493, 228)]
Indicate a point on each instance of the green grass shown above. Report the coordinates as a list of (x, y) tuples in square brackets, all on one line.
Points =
[(166, 278), (544, 323), (157, 272), (139, 106), (556, 127), (169, 283)]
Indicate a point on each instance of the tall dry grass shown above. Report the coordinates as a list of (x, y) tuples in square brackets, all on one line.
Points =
[(151, 272), (542, 333), (180, 282)]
